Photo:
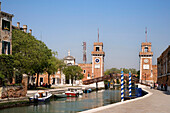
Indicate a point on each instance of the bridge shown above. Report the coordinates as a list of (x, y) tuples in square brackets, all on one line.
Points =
[(98, 79)]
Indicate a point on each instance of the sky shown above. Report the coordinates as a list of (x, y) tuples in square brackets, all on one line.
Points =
[(65, 24)]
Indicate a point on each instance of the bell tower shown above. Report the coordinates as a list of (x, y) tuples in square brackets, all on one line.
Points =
[(146, 62), (98, 59)]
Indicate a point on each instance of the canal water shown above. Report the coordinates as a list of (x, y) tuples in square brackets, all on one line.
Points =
[(70, 104)]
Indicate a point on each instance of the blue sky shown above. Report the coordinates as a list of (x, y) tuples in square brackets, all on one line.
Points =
[(64, 24)]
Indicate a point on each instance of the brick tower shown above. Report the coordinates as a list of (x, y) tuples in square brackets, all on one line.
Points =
[(98, 59), (145, 56)]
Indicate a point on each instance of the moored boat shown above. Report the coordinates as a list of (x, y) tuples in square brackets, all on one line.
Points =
[(88, 90), (80, 91), (63, 95), (72, 92), (40, 96)]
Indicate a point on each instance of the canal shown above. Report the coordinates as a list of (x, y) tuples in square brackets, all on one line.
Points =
[(70, 104)]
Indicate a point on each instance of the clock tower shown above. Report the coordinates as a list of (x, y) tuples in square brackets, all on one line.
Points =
[(146, 74), (98, 59)]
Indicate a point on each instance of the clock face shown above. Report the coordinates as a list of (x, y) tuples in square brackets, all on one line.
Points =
[(97, 60), (146, 60)]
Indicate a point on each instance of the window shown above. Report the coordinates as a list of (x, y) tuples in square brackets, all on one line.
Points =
[(146, 49), (5, 47), (88, 75), (41, 79), (84, 71), (5, 25), (97, 48)]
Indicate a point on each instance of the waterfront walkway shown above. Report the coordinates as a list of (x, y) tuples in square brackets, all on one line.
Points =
[(154, 102)]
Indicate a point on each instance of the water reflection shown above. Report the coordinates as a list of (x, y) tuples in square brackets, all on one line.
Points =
[(71, 104)]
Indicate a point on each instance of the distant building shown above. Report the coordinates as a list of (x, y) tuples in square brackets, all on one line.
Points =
[(96, 69), (69, 61), (147, 70), (5, 32), (163, 63)]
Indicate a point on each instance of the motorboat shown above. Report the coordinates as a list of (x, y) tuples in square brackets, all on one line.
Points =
[(63, 95), (72, 92), (88, 90), (40, 96), (80, 91)]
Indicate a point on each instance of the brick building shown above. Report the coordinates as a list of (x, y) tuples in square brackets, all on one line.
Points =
[(96, 69), (148, 72), (163, 63), (5, 32)]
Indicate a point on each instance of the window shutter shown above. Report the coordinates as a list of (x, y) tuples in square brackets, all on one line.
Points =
[(8, 48), (2, 47)]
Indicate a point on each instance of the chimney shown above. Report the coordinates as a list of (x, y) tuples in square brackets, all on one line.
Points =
[(18, 24), (25, 28), (30, 31)]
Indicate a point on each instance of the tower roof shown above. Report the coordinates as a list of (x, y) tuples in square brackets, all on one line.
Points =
[(146, 43), (98, 43), (69, 58)]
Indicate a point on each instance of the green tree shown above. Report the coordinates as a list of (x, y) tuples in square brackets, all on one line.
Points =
[(115, 70), (30, 55), (52, 67), (61, 65), (43, 54), (6, 67), (73, 72)]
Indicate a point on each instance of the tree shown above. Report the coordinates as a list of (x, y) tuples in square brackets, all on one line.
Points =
[(115, 70), (6, 67), (41, 59), (73, 72), (52, 67), (30, 55), (61, 65), (138, 73), (1, 78)]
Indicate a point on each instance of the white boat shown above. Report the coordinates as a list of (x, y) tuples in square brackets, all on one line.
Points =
[(40, 96), (63, 95), (72, 92), (80, 91)]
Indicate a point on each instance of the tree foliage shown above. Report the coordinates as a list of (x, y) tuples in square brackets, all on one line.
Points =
[(53, 66), (115, 70), (6, 66), (30, 55), (73, 72)]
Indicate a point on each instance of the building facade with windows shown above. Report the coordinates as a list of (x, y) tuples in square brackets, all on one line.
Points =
[(163, 63), (5, 32)]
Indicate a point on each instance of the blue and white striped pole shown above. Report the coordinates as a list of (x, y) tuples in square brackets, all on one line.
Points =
[(122, 86), (130, 85)]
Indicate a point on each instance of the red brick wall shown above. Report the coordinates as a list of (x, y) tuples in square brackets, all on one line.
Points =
[(88, 70)]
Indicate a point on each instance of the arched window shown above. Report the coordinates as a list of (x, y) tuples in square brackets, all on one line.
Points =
[(146, 49), (84, 71)]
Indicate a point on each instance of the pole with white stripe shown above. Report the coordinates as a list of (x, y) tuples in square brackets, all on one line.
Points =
[(122, 86), (130, 85)]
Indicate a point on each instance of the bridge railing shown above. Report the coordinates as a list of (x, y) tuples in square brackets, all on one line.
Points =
[(98, 79)]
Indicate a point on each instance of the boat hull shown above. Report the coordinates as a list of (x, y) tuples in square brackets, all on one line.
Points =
[(43, 99), (72, 94), (60, 95)]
